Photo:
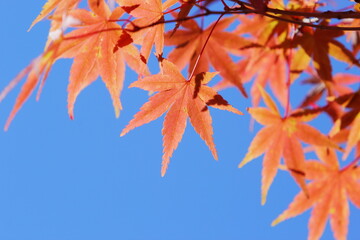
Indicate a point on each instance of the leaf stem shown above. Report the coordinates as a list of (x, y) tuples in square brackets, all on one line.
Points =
[(203, 48)]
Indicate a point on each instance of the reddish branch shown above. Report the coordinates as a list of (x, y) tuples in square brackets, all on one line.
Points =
[(246, 8)]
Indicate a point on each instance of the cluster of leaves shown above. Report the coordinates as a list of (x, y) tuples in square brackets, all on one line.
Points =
[(277, 43)]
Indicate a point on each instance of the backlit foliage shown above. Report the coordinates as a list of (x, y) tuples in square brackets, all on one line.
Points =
[(273, 45)]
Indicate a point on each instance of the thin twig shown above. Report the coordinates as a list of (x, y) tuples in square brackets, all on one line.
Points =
[(203, 47)]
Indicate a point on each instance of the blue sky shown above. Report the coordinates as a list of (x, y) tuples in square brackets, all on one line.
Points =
[(63, 179)]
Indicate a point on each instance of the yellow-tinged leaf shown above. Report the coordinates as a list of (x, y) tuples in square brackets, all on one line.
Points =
[(268, 100), (264, 116), (305, 115), (299, 63), (260, 143), (61, 5), (327, 156), (341, 53)]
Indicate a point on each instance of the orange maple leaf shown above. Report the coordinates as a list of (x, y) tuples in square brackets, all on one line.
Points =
[(190, 41), (61, 7), (266, 66), (182, 98), (329, 189), (98, 52), (37, 71), (265, 31), (281, 138), (146, 13), (92, 47)]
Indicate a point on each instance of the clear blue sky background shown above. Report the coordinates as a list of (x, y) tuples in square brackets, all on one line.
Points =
[(74, 180)]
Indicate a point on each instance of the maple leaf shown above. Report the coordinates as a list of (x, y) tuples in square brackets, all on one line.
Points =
[(354, 136), (329, 189), (350, 100), (265, 31), (281, 138), (182, 99), (146, 13), (336, 88), (37, 71), (98, 53), (353, 36), (262, 59), (185, 8), (61, 7), (190, 41), (92, 47), (266, 66), (349, 123), (318, 45)]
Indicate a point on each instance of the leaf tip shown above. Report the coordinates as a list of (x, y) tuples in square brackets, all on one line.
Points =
[(215, 155), (117, 112), (163, 170), (275, 222), (123, 132), (263, 199), (239, 112), (241, 164), (264, 192), (247, 159)]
